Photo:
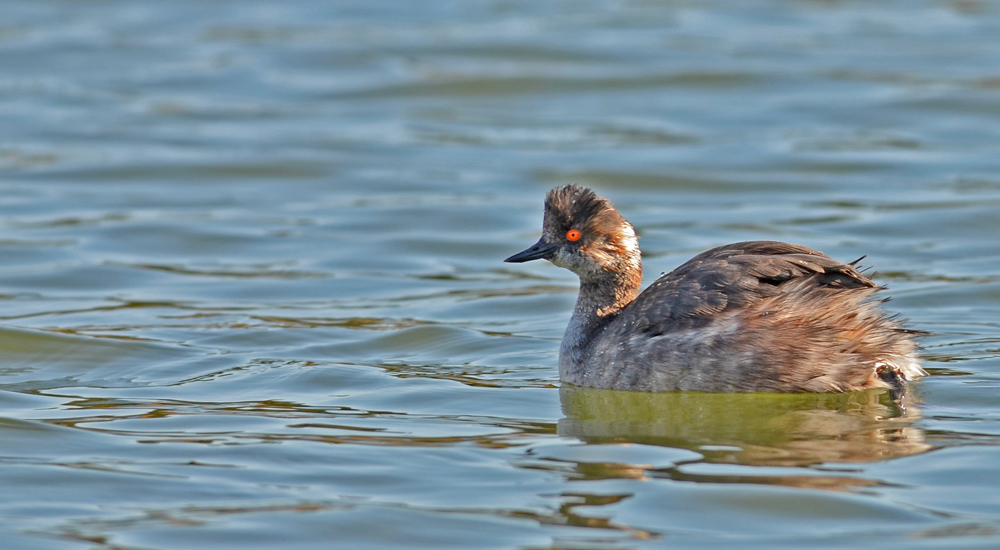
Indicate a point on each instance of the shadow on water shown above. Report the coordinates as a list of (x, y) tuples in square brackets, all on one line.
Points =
[(753, 429)]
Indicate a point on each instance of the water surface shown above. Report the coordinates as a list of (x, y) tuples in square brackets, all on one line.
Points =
[(252, 294)]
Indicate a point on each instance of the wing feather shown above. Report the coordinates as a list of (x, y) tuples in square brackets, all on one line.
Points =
[(730, 277)]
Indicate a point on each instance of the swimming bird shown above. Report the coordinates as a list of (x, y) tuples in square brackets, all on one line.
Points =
[(743, 317)]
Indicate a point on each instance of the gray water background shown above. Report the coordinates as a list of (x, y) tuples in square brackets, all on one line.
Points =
[(251, 290)]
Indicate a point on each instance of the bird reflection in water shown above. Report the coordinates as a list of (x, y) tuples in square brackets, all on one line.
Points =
[(820, 432)]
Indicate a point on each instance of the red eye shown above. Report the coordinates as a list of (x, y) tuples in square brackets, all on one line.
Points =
[(573, 235)]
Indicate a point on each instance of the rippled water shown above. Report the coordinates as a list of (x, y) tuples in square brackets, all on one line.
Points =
[(252, 294)]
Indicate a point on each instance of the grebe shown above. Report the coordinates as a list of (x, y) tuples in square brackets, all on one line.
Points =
[(749, 316)]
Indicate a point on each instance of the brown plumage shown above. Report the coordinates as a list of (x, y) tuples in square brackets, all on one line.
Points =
[(750, 316)]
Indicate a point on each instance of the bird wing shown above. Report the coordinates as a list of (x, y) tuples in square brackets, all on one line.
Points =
[(731, 277)]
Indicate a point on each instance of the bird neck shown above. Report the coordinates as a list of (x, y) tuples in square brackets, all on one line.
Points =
[(606, 292), (600, 299)]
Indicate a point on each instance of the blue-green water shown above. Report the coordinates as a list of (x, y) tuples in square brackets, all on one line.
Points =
[(252, 295)]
